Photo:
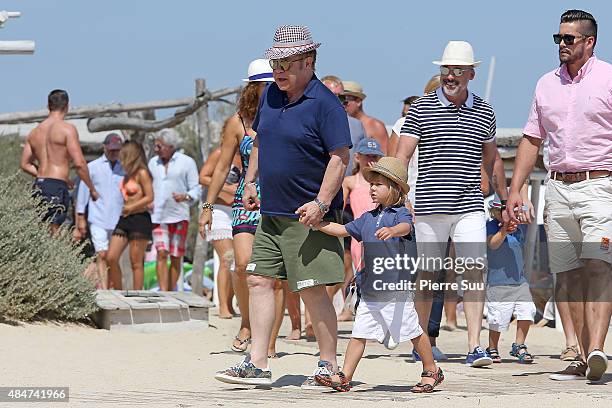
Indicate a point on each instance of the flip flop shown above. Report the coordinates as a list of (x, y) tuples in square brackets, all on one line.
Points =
[(244, 344)]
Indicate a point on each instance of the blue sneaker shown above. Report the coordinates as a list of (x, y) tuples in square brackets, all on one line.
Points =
[(478, 358), (245, 373), (415, 355), (438, 355)]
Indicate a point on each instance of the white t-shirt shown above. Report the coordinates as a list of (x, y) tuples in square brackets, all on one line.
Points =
[(413, 165), (398, 125)]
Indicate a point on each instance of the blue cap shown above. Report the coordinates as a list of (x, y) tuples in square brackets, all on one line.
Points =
[(369, 146)]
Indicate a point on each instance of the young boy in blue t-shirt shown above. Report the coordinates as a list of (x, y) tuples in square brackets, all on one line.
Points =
[(383, 313), (507, 290)]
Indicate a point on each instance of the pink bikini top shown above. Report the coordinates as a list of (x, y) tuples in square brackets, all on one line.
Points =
[(129, 189)]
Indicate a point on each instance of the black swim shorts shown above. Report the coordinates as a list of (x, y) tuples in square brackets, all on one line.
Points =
[(55, 194)]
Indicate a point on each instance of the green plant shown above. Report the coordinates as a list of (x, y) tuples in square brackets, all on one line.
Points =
[(41, 277)]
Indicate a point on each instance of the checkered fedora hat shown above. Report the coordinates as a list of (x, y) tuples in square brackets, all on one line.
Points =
[(290, 40)]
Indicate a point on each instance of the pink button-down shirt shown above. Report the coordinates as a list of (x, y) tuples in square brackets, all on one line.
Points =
[(576, 117)]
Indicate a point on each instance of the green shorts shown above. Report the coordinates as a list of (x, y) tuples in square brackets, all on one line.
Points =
[(285, 249)]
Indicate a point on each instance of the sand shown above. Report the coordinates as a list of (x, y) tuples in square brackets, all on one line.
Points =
[(175, 369)]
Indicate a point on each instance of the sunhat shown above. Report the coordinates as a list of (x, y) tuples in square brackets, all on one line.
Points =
[(432, 84), (458, 53), (291, 40), (367, 145), (259, 71), (354, 89), (392, 168)]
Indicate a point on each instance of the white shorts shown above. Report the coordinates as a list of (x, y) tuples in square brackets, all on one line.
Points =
[(100, 237), (579, 218), (221, 224), (468, 232), (504, 301), (374, 320)]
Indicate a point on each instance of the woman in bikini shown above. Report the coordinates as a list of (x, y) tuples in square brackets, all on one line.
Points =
[(134, 226), (237, 136)]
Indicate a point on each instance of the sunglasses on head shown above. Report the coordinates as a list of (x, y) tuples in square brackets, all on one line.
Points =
[(455, 71), (284, 64), (568, 39)]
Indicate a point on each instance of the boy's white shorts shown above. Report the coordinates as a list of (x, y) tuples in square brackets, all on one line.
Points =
[(505, 301), (374, 320)]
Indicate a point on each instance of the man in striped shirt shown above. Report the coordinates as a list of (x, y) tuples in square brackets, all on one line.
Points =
[(455, 132)]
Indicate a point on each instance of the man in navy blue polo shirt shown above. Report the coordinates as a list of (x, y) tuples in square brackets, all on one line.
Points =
[(300, 153)]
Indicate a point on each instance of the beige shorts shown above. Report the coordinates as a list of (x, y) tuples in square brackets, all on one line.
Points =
[(468, 232), (579, 218)]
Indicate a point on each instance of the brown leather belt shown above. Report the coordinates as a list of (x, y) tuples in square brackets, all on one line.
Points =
[(570, 178)]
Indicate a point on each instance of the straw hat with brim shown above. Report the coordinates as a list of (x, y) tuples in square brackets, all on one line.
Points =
[(458, 53), (291, 40), (392, 168), (352, 88)]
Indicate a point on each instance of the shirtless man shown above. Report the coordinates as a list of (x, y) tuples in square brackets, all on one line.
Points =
[(47, 153), (353, 103)]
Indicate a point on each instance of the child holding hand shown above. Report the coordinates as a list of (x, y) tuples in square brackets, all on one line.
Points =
[(507, 291), (387, 316)]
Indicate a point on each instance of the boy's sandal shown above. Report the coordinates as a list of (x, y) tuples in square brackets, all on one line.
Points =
[(494, 354), (242, 344), (344, 385), (420, 387), (520, 351)]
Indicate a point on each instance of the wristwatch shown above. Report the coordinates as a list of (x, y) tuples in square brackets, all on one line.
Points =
[(324, 208), (207, 206)]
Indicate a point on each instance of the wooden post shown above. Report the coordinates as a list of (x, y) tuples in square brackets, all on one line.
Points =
[(17, 47), (14, 47), (201, 246), (203, 122)]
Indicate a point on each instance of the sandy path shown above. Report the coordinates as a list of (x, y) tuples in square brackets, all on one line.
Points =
[(174, 369)]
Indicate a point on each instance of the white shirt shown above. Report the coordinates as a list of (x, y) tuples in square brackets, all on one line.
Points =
[(181, 177), (413, 165), (105, 211)]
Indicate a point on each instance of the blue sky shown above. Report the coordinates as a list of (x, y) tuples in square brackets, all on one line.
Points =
[(137, 50)]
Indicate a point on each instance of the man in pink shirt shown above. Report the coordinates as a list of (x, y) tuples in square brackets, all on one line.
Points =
[(572, 108)]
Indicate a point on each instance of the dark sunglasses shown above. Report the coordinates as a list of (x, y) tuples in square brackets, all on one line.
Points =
[(284, 64), (568, 39), (344, 99), (445, 71)]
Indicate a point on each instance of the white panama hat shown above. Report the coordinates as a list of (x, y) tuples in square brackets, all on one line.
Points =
[(259, 71), (458, 53)]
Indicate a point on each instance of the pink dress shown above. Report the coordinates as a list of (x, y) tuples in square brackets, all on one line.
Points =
[(361, 202)]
